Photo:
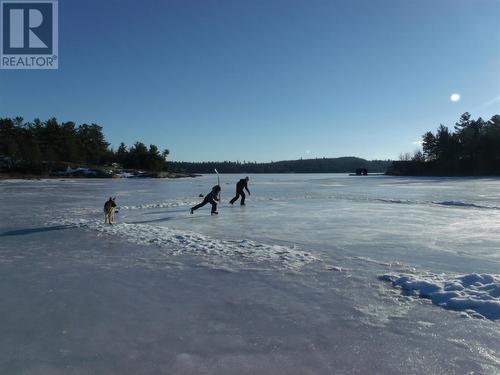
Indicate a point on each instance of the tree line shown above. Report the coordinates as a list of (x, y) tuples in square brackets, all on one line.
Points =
[(42, 146), (319, 165), (471, 148)]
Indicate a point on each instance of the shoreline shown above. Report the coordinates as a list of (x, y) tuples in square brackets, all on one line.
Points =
[(28, 177), (441, 175)]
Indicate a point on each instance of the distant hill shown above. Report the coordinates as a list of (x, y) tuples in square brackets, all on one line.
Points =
[(322, 165)]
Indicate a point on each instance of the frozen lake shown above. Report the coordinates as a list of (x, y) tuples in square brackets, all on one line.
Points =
[(318, 274)]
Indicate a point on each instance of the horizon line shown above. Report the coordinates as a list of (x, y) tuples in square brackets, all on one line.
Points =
[(277, 161)]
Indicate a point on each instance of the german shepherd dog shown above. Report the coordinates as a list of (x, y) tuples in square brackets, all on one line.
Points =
[(109, 211)]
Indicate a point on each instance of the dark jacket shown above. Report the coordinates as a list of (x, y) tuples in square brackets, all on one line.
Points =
[(242, 184), (213, 195)]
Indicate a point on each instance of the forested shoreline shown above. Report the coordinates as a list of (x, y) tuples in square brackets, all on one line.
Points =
[(472, 148), (44, 148), (48, 147), (318, 165)]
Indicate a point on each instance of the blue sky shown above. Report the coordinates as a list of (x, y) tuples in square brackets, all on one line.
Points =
[(262, 80)]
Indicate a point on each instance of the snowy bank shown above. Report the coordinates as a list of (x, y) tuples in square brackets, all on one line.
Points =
[(177, 242), (476, 294)]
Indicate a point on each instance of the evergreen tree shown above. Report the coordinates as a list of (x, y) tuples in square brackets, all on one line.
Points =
[(38, 146)]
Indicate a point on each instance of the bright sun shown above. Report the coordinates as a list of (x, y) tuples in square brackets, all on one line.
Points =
[(455, 97)]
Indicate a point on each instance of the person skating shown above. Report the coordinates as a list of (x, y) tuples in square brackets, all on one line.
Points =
[(212, 198), (242, 184)]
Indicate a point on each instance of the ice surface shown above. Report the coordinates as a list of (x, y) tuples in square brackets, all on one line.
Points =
[(288, 284)]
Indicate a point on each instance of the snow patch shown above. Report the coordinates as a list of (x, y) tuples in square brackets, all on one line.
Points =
[(476, 294), (178, 242), (335, 268), (398, 201), (165, 204)]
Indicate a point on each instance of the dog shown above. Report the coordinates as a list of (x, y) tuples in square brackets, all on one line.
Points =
[(109, 211)]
